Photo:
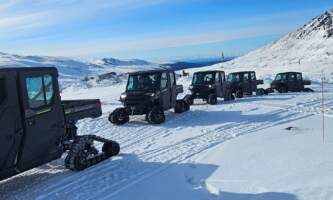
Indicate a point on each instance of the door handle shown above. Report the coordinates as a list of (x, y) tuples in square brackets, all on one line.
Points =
[(31, 122)]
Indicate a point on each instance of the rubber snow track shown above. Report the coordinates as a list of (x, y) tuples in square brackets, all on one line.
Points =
[(148, 150)]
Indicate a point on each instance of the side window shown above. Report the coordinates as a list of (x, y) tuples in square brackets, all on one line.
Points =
[(292, 77), (2, 90), (217, 78), (246, 77), (164, 80), (48, 85), (172, 79), (253, 76), (40, 90), (299, 77)]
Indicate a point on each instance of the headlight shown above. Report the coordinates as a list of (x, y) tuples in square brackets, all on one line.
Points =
[(123, 96), (210, 86)]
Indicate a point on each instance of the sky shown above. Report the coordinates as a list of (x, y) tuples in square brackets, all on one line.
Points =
[(156, 30)]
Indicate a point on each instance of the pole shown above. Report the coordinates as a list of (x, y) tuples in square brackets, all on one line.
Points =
[(323, 106)]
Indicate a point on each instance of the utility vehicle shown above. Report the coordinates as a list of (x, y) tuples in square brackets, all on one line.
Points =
[(209, 85), (149, 93), (244, 83), (290, 82), (38, 127)]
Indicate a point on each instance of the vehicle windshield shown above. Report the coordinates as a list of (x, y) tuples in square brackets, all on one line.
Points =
[(146, 82), (280, 77), (203, 78), (233, 78)]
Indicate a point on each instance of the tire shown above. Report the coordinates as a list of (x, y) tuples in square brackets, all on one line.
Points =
[(260, 92), (156, 115), (189, 99), (111, 148), (282, 89), (181, 106), (119, 116), (212, 99), (308, 90), (239, 94)]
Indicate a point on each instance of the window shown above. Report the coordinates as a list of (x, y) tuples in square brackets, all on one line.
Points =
[(40, 90), (2, 90), (164, 80), (292, 77), (233, 78), (253, 76), (145, 82), (246, 77), (203, 78), (299, 77), (172, 79), (281, 77), (217, 78)]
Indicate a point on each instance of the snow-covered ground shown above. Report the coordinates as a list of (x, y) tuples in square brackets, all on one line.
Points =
[(236, 150)]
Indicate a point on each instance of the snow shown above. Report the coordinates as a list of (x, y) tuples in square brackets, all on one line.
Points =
[(260, 147)]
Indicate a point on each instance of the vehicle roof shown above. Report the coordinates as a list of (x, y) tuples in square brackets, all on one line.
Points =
[(209, 71), (27, 68), (242, 72), (150, 71), (289, 72)]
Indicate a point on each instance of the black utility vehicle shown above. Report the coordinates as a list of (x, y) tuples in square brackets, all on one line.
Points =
[(38, 127), (244, 83), (209, 85), (149, 93), (290, 82)]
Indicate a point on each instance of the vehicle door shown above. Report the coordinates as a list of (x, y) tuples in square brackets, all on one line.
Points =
[(173, 89), (247, 83), (218, 84), (254, 84), (292, 82), (43, 118), (165, 91), (299, 82), (10, 121)]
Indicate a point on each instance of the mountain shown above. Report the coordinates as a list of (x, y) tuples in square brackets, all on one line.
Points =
[(73, 71), (117, 62), (308, 49)]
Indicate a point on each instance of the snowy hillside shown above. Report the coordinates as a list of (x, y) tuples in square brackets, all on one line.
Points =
[(309, 50), (73, 71), (117, 62)]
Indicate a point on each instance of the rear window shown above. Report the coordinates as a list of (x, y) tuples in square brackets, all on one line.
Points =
[(40, 90), (2, 90)]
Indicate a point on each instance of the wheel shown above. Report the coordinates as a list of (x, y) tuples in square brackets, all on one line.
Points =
[(260, 92), (181, 106), (119, 116), (239, 94), (189, 99), (212, 99), (282, 89), (308, 90), (156, 115), (111, 148), (229, 97)]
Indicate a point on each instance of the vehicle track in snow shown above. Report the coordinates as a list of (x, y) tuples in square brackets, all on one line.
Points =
[(149, 150)]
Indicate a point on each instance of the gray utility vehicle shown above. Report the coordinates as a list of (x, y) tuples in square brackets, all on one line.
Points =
[(244, 83), (149, 93), (209, 85), (38, 127), (290, 82)]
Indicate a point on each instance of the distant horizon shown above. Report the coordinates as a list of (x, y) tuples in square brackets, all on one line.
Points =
[(156, 31)]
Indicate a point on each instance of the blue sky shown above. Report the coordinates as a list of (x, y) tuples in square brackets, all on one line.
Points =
[(157, 30)]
